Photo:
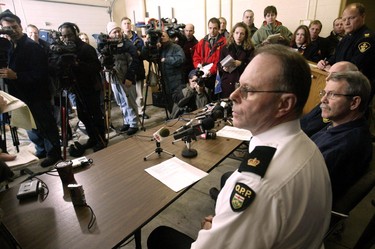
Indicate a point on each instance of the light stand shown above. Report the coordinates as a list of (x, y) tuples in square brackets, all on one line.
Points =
[(158, 150)]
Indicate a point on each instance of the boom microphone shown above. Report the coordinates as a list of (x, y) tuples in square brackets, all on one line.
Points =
[(197, 129), (160, 134)]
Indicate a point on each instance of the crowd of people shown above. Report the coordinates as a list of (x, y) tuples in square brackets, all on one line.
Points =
[(296, 164)]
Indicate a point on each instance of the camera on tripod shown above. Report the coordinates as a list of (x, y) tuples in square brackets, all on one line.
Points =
[(62, 57), (5, 46), (174, 29), (107, 47)]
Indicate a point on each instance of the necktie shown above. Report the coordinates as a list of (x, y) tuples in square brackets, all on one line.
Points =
[(212, 42)]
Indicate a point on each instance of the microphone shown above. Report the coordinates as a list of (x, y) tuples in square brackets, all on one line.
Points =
[(197, 129), (159, 135), (217, 112)]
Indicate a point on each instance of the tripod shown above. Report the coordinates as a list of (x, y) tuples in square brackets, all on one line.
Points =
[(108, 73), (158, 150), (13, 131), (155, 78)]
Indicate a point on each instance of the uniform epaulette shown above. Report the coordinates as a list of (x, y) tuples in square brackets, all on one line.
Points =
[(258, 160)]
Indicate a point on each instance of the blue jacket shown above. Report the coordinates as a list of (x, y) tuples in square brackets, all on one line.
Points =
[(347, 150)]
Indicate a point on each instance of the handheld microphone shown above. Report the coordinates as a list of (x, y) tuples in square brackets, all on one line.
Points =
[(160, 134), (197, 129)]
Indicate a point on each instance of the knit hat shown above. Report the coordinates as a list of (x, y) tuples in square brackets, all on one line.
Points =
[(111, 26), (9, 14), (192, 73)]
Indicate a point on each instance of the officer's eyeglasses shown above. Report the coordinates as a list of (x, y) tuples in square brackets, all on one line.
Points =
[(245, 90), (332, 95)]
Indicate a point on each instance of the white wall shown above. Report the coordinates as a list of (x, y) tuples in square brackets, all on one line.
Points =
[(290, 12), (90, 19), (94, 19)]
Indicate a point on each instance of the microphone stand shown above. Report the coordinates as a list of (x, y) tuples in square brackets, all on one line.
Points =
[(158, 150), (188, 152)]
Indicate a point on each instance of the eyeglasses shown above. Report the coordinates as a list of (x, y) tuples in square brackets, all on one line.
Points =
[(244, 91), (332, 95)]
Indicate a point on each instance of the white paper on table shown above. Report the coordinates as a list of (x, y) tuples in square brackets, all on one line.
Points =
[(23, 157), (21, 114), (176, 174), (234, 132)]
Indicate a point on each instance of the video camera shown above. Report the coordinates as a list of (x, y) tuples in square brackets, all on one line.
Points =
[(107, 47), (4, 49), (173, 29), (6, 31), (62, 57)]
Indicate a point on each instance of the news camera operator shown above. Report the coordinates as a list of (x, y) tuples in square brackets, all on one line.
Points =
[(171, 57), (85, 82), (123, 54), (27, 79)]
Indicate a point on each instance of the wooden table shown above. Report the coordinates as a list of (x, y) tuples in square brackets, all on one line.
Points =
[(123, 196)]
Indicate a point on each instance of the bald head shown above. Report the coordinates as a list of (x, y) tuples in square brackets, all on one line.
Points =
[(342, 66), (189, 31)]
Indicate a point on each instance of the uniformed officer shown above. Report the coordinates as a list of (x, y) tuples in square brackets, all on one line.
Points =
[(269, 201), (357, 46)]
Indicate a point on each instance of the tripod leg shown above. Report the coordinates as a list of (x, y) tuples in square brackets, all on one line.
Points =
[(144, 107)]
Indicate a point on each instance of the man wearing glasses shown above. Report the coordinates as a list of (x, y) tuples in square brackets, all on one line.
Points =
[(346, 142), (282, 188)]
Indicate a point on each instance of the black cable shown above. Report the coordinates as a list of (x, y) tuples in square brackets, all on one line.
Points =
[(92, 219)]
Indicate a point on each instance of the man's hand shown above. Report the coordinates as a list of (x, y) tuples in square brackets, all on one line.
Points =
[(128, 83), (207, 222), (323, 65), (7, 73)]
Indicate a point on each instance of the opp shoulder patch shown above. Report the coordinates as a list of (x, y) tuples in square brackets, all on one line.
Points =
[(258, 160), (241, 198), (364, 46)]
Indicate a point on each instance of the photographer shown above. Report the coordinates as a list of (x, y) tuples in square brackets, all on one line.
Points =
[(27, 79), (171, 62), (126, 62), (195, 96), (85, 82)]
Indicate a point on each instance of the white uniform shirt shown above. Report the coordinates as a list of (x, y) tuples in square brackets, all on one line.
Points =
[(292, 204)]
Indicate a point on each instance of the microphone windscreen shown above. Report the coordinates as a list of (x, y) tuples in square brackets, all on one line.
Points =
[(208, 123), (164, 132)]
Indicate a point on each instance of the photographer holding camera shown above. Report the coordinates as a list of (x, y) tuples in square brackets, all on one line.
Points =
[(123, 54), (27, 79), (170, 57), (85, 82), (195, 95)]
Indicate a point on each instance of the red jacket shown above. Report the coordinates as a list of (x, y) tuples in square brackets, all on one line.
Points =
[(204, 54)]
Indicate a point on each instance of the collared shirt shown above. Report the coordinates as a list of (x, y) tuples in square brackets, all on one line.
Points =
[(293, 197)]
